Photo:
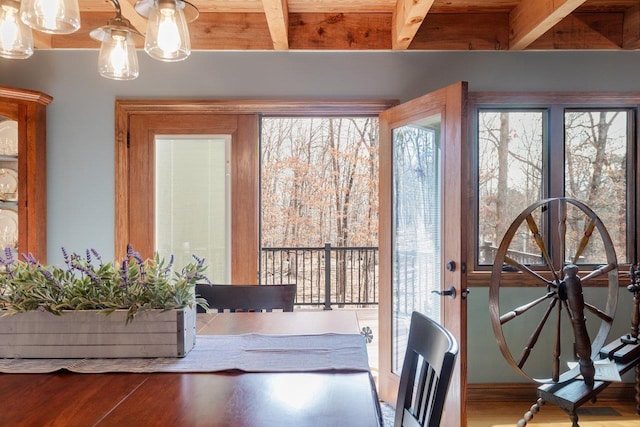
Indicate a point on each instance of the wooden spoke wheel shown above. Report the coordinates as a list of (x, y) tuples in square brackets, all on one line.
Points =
[(549, 299)]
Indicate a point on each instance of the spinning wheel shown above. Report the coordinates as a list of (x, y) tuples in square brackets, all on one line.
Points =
[(556, 282)]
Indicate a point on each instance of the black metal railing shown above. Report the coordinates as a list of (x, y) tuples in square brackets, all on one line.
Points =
[(324, 276), (488, 253)]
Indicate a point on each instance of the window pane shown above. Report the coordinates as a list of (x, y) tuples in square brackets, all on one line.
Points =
[(416, 206), (192, 208), (510, 146), (596, 174)]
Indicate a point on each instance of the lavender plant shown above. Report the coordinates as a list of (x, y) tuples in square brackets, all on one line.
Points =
[(88, 283)]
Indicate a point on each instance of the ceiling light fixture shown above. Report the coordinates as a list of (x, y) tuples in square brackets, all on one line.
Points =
[(51, 16), (16, 39), (117, 59), (167, 36)]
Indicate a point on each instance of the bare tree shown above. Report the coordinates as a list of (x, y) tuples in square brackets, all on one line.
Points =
[(317, 176)]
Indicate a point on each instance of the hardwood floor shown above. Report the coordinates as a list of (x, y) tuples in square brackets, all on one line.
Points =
[(507, 414)]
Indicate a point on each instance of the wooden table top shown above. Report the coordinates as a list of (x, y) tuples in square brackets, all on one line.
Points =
[(194, 399), (279, 323)]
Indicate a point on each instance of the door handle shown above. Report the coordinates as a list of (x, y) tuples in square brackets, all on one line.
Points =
[(451, 292)]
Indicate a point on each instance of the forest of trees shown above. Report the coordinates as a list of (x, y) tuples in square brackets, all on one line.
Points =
[(319, 181), (319, 186), (515, 167)]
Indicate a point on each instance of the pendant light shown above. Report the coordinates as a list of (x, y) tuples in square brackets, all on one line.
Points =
[(117, 59), (51, 16), (16, 39), (167, 36)]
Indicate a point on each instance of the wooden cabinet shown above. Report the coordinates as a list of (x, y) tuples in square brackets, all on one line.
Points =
[(23, 172)]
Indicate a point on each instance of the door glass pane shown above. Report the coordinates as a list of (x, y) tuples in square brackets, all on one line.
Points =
[(510, 147), (8, 184), (416, 228), (192, 201), (596, 174)]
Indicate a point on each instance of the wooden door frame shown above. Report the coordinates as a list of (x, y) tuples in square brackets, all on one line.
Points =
[(455, 201), (245, 211)]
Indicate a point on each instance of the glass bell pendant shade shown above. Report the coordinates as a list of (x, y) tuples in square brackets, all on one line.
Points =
[(117, 59), (51, 16), (167, 36), (16, 39)]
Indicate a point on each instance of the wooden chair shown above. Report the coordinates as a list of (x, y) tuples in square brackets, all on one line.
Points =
[(247, 297), (426, 373)]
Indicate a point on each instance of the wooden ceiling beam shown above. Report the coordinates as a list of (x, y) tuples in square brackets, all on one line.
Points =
[(128, 12), (631, 28), (406, 20), (583, 31), (42, 40), (340, 31), (277, 14), (532, 18)]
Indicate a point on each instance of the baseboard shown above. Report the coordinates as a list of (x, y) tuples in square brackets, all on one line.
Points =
[(526, 392)]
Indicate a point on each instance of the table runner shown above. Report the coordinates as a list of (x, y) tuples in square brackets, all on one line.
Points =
[(246, 352)]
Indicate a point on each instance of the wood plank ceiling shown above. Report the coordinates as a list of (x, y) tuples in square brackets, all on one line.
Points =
[(387, 25)]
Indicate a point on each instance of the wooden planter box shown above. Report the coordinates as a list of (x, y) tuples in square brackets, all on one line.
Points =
[(89, 334)]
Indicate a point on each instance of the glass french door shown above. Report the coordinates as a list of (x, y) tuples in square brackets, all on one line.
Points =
[(422, 231), (188, 184)]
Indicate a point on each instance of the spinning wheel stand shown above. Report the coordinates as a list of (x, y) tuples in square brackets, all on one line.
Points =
[(563, 239), (625, 352)]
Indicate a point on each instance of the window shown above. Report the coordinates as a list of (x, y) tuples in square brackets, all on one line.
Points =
[(192, 201), (531, 148), (510, 151)]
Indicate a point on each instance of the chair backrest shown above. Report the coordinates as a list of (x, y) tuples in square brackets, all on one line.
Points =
[(247, 297), (426, 373)]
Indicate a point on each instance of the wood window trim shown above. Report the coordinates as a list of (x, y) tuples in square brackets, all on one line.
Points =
[(125, 108), (555, 101)]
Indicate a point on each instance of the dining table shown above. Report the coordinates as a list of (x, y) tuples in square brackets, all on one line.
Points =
[(301, 368)]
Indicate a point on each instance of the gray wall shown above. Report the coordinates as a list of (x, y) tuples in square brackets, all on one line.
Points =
[(80, 129)]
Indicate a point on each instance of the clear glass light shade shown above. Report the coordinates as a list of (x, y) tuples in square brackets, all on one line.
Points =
[(118, 59), (167, 36), (51, 16), (16, 39)]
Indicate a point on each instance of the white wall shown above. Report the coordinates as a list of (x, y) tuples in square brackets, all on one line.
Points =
[(80, 129)]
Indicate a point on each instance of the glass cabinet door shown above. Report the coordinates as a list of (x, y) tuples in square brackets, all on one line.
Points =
[(23, 173), (8, 183)]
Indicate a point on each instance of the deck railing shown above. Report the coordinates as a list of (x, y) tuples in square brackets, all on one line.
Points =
[(488, 253), (325, 276)]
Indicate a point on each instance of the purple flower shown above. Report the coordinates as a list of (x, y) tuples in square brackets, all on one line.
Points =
[(124, 273), (8, 256), (97, 255), (8, 261), (50, 277), (84, 269), (67, 259), (30, 259)]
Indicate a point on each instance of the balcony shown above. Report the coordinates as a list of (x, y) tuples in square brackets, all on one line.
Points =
[(330, 278), (326, 276)]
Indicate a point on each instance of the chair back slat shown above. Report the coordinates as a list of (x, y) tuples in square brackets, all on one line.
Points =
[(236, 298), (426, 373)]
